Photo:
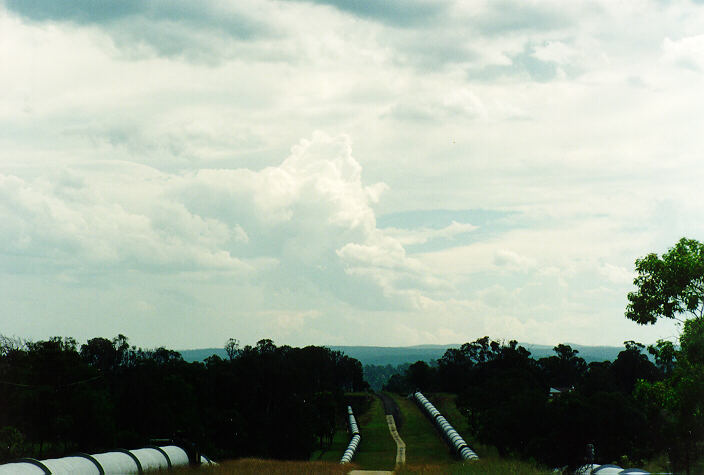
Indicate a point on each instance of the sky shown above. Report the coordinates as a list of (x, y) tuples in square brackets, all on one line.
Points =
[(343, 172)]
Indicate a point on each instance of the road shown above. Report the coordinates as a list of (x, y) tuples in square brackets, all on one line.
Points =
[(393, 418)]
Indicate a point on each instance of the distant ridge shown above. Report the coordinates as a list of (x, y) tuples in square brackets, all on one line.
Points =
[(396, 355)]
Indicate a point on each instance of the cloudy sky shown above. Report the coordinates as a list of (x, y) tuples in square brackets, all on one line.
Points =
[(343, 172)]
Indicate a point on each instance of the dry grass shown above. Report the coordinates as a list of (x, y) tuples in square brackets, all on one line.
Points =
[(277, 467), (484, 467), (274, 467)]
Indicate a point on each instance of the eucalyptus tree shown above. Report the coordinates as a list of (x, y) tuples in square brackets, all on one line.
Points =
[(671, 286)]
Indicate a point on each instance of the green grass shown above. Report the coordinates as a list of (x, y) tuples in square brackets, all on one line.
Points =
[(377, 450), (360, 402), (338, 447), (423, 442), (446, 404), (489, 458), (426, 451)]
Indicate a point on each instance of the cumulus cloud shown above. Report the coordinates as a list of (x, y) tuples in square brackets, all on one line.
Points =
[(168, 28), (73, 225), (147, 145), (311, 212)]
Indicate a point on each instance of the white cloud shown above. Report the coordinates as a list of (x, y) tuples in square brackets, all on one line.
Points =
[(423, 235), (147, 153), (555, 51), (686, 52), (505, 258), (617, 274), (310, 212), (88, 227)]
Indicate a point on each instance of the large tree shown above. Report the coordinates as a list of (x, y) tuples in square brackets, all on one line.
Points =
[(669, 286), (672, 286)]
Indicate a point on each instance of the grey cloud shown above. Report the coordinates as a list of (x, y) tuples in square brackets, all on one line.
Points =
[(431, 49), (523, 65), (462, 105), (85, 12), (169, 28), (79, 11), (427, 113), (507, 16), (401, 13)]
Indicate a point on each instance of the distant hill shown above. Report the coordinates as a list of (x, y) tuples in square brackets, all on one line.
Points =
[(396, 355), (202, 353), (380, 355)]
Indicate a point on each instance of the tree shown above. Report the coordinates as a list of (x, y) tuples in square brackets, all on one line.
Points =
[(565, 369), (677, 403), (100, 353), (664, 353), (669, 286), (631, 366), (421, 376), (232, 348)]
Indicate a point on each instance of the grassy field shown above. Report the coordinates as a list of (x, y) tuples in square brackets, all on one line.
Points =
[(426, 452), (445, 403), (489, 458), (276, 467), (377, 450), (423, 442), (338, 447), (258, 467)]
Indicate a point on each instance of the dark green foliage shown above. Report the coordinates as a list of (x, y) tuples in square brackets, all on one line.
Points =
[(360, 402), (676, 404), (423, 377), (504, 393), (669, 286), (377, 375), (664, 353), (12, 443), (632, 366), (264, 401), (564, 369)]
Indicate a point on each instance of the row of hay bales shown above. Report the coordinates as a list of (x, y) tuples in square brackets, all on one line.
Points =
[(454, 439)]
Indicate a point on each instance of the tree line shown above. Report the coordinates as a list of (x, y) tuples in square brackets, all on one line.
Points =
[(645, 403), (264, 400), (506, 396)]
